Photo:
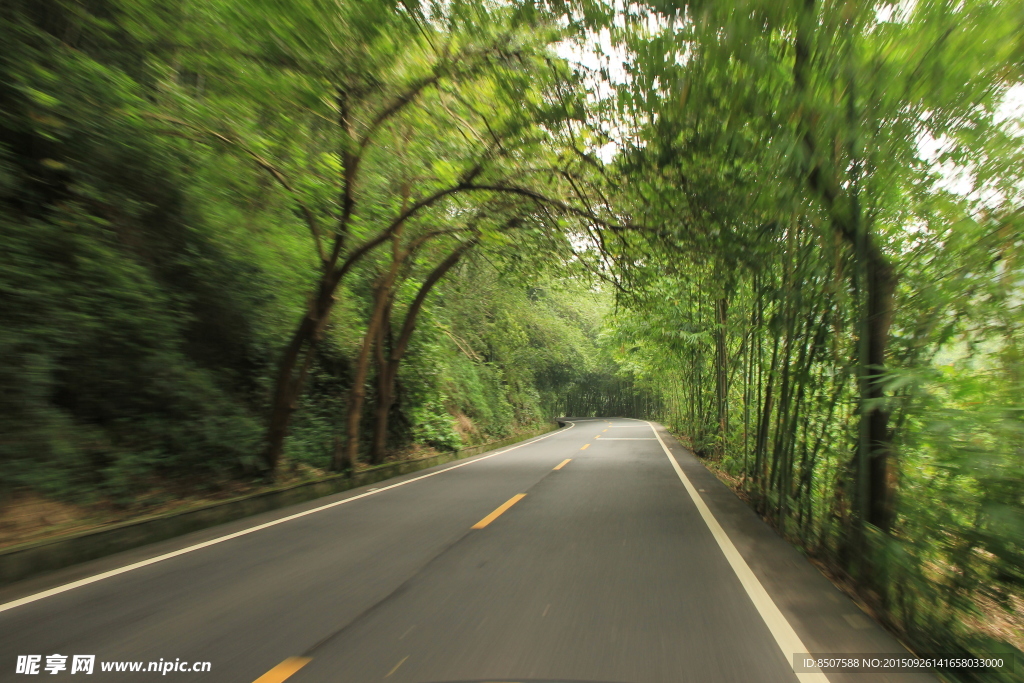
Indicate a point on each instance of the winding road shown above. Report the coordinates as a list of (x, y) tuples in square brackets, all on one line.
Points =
[(603, 551)]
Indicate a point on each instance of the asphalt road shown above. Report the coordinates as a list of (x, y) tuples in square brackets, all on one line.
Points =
[(605, 569)]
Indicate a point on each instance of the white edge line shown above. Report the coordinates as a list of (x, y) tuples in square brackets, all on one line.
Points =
[(785, 637), (206, 544)]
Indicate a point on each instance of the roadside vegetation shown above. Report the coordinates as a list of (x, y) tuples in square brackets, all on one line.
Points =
[(247, 241)]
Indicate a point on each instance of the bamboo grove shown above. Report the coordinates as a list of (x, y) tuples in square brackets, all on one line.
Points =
[(821, 301)]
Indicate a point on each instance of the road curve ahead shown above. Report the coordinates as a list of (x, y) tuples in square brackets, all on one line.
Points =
[(600, 552)]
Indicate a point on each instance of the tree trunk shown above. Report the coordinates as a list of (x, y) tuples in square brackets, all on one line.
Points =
[(721, 371), (357, 394), (288, 384), (881, 286), (764, 425), (385, 385), (389, 370)]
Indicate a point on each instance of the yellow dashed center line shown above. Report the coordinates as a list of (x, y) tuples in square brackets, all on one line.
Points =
[(497, 513), (585, 447), (284, 670), (400, 663), (563, 463), (603, 431)]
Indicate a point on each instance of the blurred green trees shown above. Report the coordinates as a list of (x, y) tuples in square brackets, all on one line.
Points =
[(219, 215), (831, 312), (239, 234)]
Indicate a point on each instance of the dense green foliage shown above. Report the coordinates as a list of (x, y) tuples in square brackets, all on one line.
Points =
[(235, 235), (162, 166), (828, 317)]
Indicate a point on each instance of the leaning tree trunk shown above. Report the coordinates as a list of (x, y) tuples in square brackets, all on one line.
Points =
[(389, 370), (292, 370), (288, 385), (385, 386), (385, 401), (357, 395)]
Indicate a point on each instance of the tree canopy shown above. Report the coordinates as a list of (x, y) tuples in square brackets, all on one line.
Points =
[(240, 238)]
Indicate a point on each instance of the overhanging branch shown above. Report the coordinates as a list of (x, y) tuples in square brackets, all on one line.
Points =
[(274, 172)]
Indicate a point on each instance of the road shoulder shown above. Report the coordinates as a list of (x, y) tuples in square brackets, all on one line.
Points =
[(825, 619)]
